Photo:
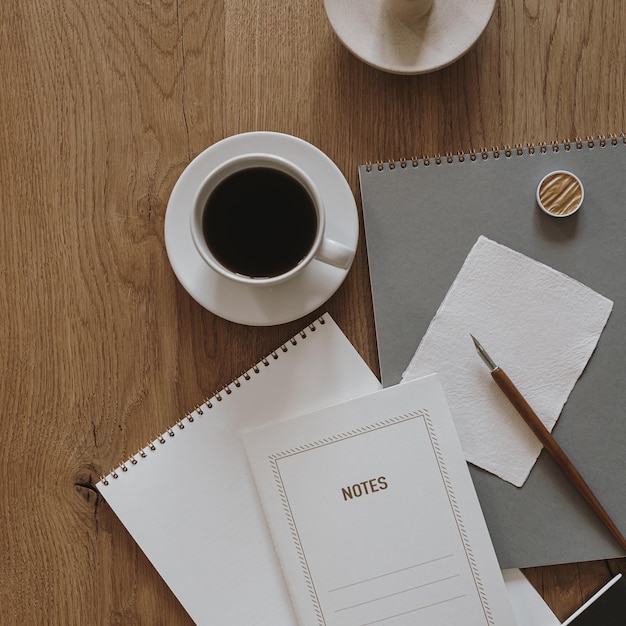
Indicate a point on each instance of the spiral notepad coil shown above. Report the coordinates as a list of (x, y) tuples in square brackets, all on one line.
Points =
[(209, 403), (591, 142)]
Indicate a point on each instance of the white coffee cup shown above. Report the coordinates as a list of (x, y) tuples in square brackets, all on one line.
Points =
[(259, 219)]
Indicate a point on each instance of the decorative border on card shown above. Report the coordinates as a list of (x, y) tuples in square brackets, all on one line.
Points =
[(274, 458), (459, 521)]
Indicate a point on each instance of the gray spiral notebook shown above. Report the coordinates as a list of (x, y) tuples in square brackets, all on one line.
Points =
[(422, 217)]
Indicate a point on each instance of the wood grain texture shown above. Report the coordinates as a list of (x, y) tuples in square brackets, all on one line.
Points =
[(103, 106)]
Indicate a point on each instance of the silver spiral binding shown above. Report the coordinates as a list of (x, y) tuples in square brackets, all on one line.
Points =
[(496, 152), (208, 404)]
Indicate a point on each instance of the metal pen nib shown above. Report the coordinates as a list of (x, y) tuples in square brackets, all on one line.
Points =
[(483, 355)]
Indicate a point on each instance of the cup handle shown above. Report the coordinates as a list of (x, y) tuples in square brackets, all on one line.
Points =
[(335, 253)]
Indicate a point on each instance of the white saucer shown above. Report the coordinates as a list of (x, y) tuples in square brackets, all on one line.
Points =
[(376, 32), (251, 305)]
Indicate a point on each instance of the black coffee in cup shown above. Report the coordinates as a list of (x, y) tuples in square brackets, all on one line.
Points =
[(259, 222)]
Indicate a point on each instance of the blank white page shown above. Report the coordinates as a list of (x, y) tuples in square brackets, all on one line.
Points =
[(191, 503)]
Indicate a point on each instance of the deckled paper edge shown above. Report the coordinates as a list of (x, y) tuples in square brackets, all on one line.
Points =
[(603, 315)]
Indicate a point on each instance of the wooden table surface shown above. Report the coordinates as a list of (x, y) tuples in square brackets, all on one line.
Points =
[(103, 106)]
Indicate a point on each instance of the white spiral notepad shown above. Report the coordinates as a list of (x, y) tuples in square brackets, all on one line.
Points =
[(189, 499)]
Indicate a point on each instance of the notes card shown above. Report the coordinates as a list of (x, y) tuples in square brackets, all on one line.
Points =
[(374, 516)]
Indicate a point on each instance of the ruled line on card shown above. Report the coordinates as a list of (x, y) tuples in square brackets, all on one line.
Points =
[(403, 569)]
